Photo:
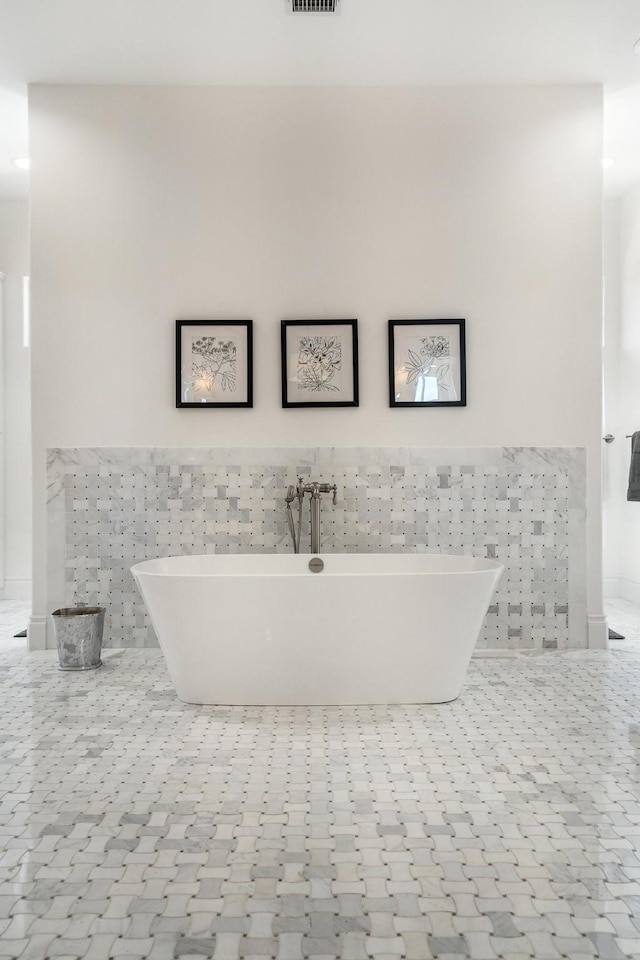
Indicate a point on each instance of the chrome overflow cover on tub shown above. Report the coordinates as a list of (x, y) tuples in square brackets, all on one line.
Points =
[(316, 565)]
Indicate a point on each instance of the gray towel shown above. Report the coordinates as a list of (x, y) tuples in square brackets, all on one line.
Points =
[(633, 493)]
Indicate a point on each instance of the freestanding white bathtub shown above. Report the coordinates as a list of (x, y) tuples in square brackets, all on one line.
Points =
[(369, 628)]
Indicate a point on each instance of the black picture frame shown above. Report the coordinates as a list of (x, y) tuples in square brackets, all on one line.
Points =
[(427, 363), (214, 363), (319, 363)]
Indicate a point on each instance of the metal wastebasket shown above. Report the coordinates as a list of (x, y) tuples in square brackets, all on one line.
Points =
[(78, 633)]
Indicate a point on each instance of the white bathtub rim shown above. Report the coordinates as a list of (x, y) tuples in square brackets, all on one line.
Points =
[(221, 565)]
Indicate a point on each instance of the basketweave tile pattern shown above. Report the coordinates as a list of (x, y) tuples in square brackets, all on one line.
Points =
[(502, 825), (120, 508)]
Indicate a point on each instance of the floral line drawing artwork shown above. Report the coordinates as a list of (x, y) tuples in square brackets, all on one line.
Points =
[(319, 360), (433, 360), (213, 358), (427, 363), (214, 363), (319, 363)]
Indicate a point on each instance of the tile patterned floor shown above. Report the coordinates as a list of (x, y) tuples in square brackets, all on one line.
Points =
[(504, 825)]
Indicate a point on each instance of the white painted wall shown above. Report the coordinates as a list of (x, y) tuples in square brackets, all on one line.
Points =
[(14, 262), (614, 480), (153, 204), (622, 393)]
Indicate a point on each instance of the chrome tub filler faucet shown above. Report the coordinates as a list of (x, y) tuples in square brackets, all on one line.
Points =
[(315, 491)]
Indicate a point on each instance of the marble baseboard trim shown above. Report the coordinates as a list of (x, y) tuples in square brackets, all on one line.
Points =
[(37, 634), (493, 652), (597, 632)]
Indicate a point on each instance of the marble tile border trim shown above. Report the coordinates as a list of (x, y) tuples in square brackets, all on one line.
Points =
[(568, 463)]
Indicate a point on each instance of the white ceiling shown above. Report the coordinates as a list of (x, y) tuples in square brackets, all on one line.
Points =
[(371, 42)]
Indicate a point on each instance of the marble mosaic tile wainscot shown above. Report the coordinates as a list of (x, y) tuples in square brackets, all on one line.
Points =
[(109, 508)]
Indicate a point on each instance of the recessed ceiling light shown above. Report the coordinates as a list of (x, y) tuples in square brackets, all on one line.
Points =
[(607, 162), (22, 163)]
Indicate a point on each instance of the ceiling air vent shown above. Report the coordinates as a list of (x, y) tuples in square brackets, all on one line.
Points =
[(313, 6)]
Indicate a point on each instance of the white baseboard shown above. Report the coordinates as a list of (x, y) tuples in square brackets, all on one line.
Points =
[(630, 590), (37, 633), (597, 632), (611, 587), (623, 588), (15, 589)]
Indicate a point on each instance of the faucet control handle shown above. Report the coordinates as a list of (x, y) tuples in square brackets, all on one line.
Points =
[(329, 488)]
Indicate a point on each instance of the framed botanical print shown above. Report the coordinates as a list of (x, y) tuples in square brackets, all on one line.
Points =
[(319, 363), (214, 363), (427, 363)]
